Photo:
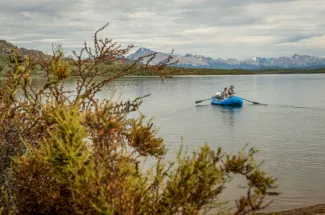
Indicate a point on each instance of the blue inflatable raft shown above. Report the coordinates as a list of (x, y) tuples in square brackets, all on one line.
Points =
[(232, 101)]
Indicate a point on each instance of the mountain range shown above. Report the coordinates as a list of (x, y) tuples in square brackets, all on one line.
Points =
[(199, 61)]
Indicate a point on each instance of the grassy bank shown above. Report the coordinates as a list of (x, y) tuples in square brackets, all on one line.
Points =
[(172, 71), (201, 71)]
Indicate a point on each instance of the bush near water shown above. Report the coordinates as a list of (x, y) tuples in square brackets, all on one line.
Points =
[(80, 155)]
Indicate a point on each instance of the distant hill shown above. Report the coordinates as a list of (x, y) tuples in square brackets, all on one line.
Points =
[(7, 49), (199, 61)]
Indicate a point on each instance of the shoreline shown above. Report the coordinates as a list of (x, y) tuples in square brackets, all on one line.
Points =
[(213, 75), (318, 209), (188, 76), (40, 77)]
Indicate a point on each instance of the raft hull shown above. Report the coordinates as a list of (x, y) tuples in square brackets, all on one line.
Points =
[(232, 101)]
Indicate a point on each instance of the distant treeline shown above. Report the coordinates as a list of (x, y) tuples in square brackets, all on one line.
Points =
[(202, 71)]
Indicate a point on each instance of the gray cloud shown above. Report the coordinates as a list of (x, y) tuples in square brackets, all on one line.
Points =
[(299, 37), (215, 28)]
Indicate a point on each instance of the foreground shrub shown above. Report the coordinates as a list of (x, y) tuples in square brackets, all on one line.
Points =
[(69, 153)]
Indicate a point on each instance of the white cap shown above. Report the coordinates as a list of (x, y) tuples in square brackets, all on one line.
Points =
[(218, 94)]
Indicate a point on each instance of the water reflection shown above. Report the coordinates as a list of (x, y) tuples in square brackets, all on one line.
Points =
[(230, 108), (228, 114)]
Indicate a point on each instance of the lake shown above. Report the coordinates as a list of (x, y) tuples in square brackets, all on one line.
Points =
[(289, 132)]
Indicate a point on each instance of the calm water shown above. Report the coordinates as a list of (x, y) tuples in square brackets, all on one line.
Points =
[(289, 132)]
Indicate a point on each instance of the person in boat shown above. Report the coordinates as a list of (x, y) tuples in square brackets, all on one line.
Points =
[(231, 91), (224, 93), (218, 96)]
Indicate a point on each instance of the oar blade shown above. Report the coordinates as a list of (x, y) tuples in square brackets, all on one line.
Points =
[(199, 101), (255, 103)]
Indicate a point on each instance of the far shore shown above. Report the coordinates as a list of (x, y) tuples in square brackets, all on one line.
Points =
[(214, 75), (189, 76), (172, 71)]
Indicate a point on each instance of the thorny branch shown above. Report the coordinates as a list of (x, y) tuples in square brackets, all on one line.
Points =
[(45, 130)]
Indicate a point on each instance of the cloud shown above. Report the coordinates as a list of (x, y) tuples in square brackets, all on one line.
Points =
[(317, 42), (298, 37), (27, 14), (215, 28)]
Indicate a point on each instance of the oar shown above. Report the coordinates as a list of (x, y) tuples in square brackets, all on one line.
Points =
[(256, 103), (199, 101)]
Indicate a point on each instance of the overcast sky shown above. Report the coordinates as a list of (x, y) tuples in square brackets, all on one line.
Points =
[(215, 28)]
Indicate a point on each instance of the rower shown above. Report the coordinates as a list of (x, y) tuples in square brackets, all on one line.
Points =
[(224, 93), (231, 91)]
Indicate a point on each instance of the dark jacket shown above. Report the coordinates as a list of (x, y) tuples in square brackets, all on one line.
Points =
[(231, 91)]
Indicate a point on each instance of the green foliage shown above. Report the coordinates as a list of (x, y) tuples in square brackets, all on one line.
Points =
[(195, 184), (1, 66), (80, 155), (140, 135)]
